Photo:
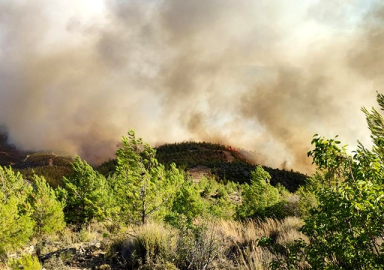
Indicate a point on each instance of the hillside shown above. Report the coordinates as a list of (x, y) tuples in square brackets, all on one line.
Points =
[(50, 165), (225, 162), (9, 154)]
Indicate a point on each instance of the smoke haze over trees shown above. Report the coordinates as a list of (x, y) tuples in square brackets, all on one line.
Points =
[(261, 75)]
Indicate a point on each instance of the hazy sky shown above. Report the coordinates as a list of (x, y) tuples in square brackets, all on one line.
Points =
[(258, 74)]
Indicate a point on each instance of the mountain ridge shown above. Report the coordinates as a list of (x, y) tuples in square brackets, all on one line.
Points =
[(224, 163)]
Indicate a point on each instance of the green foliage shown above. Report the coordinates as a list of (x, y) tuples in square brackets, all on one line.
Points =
[(346, 227), (214, 156), (307, 201), (216, 198), (259, 197), (86, 194), (16, 225), (47, 211), (307, 194), (349, 218), (288, 257), (27, 262), (107, 168), (186, 206), (191, 153), (204, 199), (376, 126), (143, 188), (53, 175)]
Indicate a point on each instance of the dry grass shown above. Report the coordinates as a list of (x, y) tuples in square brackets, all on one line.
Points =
[(232, 245), (286, 229), (149, 246), (218, 244), (241, 238)]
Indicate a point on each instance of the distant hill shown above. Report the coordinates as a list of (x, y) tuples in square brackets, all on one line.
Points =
[(225, 162), (9, 154), (50, 165)]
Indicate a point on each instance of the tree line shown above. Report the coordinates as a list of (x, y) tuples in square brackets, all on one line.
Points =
[(341, 205)]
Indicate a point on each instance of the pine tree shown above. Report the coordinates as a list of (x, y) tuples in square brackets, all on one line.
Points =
[(86, 194), (47, 211), (143, 187), (16, 225)]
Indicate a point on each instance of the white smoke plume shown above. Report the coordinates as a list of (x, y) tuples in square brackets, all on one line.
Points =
[(261, 75)]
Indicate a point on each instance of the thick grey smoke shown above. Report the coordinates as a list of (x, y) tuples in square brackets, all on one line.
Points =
[(262, 75)]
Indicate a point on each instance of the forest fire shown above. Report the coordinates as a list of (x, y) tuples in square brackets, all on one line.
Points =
[(231, 148)]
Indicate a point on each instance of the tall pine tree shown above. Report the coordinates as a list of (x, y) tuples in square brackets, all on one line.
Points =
[(143, 188)]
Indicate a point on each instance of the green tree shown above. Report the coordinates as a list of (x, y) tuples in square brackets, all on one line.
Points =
[(143, 188), (16, 225), (259, 196), (86, 194), (346, 227), (348, 221), (216, 198), (307, 193), (47, 211), (186, 206)]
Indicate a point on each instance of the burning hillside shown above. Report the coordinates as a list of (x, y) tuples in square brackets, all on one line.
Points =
[(224, 162)]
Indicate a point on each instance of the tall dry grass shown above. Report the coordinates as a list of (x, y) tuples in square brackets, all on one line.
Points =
[(211, 244), (241, 239), (221, 244)]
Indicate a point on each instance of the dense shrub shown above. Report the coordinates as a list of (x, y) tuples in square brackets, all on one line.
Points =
[(258, 197), (346, 227)]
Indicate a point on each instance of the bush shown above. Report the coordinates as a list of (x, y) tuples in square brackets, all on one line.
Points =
[(186, 206), (152, 246), (259, 198), (198, 247), (26, 262), (55, 263)]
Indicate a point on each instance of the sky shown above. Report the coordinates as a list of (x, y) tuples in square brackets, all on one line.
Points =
[(260, 75)]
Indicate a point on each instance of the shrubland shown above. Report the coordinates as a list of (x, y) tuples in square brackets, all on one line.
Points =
[(142, 214)]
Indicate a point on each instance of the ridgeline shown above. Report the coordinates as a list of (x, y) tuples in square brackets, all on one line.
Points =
[(225, 163)]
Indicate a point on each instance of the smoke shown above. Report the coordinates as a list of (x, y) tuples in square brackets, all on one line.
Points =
[(260, 75)]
